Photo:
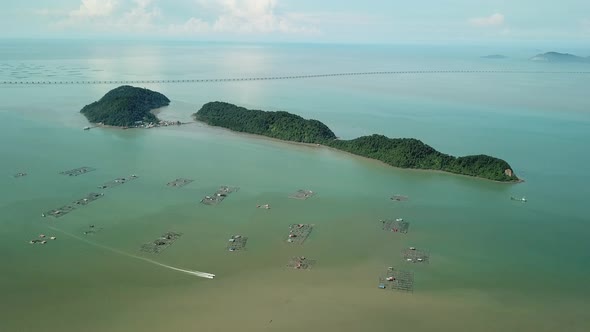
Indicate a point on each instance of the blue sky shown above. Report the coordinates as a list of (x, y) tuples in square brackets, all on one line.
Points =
[(367, 21)]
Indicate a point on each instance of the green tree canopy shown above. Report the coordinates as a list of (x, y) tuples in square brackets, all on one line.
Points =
[(398, 152), (124, 106)]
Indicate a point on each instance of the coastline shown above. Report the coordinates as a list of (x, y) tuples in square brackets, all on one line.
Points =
[(312, 145), (98, 125)]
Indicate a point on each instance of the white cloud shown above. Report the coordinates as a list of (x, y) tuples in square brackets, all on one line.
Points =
[(94, 8), (190, 27), (216, 17), (243, 17), (141, 15), (131, 16), (493, 20)]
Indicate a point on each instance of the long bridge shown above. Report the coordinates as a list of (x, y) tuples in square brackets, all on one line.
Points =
[(272, 78)]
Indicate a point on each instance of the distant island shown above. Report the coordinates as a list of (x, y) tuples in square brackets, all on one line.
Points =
[(494, 56), (398, 152), (559, 57), (126, 106)]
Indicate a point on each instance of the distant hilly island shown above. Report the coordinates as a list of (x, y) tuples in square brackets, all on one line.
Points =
[(560, 58), (553, 57)]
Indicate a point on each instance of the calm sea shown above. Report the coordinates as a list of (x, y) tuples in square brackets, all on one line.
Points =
[(495, 264)]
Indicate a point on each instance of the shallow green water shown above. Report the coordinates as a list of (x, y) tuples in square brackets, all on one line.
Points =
[(495, 264)]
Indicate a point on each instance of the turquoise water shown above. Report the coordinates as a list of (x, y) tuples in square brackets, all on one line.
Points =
[(495, 264)]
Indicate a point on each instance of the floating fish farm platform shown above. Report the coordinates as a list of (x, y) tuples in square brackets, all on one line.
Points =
[(301, 263), (117, 182), (302, 194), (298, 233), (413, 255), (219, 195), (397, 280), (178, 183), (161, 243), (78, 171), (237, 243), (396, 225)]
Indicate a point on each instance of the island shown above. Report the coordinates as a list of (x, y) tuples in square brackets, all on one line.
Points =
[(280, 125), (559, 58), (397, 152), (127, 107)]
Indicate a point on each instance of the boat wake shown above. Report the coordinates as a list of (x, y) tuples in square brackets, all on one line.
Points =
[(117, 251)]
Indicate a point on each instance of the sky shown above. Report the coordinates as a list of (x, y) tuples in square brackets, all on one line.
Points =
[(337, 21)]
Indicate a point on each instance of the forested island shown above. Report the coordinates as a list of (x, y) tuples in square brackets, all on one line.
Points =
[(281, 125), (398, 152), (126, 106), (560, 58)]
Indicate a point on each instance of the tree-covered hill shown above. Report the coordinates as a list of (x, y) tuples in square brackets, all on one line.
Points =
[(281, 125), (412, 153), (124, 106), (398, 152)]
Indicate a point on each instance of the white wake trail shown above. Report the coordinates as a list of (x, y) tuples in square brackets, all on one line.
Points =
[(117, 251)]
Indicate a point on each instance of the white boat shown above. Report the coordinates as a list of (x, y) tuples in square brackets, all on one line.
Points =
[(86, 128), (523, 199)]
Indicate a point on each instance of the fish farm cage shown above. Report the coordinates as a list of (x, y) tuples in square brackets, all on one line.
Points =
[(399, 198), (219, 195), (117, 182), (413, 255), (396, 225), (162, 243), (88, 199), (180, 182), (62, 211), (237, 243), (91, 230), (301, 263), (298, 233), (78, 171), (302, 194), (398, 280)]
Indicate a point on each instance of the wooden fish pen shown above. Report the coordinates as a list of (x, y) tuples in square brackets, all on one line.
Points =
[(91, 230), (301, 263), (397, 225), (399, 280), (161, 243), (88, 199), (178, 183), (413, 255), (302, 194), (237, 243), (59, 212), (298, 233), (78, 171), (399, 198), (219, 195), (62, 211), (117, 182)]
